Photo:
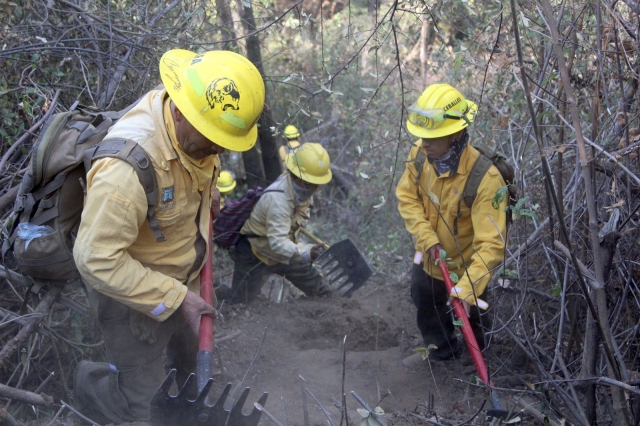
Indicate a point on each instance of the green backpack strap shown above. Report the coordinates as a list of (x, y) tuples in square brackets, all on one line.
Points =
[(479, 169), (131, 152)]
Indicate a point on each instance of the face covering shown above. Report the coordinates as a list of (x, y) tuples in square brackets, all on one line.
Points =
[(451, 159), (301, 194)]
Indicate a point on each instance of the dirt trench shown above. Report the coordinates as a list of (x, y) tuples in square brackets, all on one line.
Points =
[(304, 337)]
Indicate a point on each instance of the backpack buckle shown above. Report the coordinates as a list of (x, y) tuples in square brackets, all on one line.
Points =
[(18, 206)]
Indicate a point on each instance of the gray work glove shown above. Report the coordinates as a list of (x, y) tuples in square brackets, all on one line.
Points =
[(143, 327)]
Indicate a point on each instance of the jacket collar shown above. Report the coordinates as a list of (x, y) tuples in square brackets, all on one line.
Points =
[(163, 145)]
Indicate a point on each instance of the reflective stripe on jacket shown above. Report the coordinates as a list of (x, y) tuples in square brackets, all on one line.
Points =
[(116, 251), (481, 229), (275, 222)]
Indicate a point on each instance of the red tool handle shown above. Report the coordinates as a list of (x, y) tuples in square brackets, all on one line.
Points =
[(467, 331), (206, 292)]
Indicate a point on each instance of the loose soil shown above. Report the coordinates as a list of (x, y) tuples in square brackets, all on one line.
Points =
[(307, 337)]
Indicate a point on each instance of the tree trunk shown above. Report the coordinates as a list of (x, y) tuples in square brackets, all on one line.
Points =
[(227, 32), (271, 167)]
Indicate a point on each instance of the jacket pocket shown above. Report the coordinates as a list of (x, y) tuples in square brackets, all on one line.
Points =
[(169, 221)]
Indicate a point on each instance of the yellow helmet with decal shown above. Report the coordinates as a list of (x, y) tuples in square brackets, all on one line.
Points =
[(221, 93), (441, 110)]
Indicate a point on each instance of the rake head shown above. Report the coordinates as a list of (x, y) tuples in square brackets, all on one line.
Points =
[(167, 410), (345, 268)]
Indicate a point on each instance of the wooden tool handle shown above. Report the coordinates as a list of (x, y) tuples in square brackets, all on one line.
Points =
[(313, 237)]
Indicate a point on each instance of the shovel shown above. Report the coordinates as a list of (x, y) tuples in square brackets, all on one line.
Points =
[(472, 344), (167, 410), (342, 260)]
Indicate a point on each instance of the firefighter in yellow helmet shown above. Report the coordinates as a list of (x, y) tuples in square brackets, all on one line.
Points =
[(291, 134), (226, 184), (429, 200), (142, 275), (269, 243)]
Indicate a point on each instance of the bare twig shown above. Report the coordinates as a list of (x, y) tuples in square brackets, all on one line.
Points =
[(305, 409)]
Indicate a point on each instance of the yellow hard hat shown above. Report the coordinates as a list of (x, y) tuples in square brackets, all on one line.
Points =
[(226, 182), (441, 110), (221, 93), (291, 132), (310, 163)]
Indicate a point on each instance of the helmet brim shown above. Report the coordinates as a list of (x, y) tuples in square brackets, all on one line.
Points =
[(449, 126), (206, 127), (317, 180), (227, 189)]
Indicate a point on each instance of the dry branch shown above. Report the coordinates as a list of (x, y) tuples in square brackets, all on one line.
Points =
[(41, 312), (25, 396)]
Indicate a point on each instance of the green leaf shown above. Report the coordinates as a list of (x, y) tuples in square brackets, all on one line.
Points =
[(457, 63), (556, 290), (454, 277), (27, 107), (372, 422), (442, 255), (458, 322), (364, 413), (499, 197)]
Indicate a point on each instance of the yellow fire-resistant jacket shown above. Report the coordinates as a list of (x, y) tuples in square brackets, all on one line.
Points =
[(481, 229), (116, 251), (276, 221)]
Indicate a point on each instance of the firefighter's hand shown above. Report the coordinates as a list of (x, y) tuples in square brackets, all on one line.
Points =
[(215, 204), (192, 308), (465, 305), (435, 250), (316, 251)]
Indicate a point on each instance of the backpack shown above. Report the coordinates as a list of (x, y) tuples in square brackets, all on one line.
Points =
[(50, 198), (487, 158), (226, 228)]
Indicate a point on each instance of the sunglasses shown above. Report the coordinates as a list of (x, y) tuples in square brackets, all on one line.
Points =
[(433, 118)]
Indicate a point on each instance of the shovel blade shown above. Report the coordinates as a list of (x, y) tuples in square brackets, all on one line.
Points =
[(167, 410), (345, 268)]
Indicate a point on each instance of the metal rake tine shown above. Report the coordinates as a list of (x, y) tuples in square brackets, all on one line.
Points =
[(200, 400), (349, 292), (166, 385), (240, 401), (338, 267), (184, 390), (323, 260), (223, 396), (237, 418), (335, 279), (344, 284)]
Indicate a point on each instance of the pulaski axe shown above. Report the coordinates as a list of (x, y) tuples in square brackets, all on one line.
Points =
[(343, 265)]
